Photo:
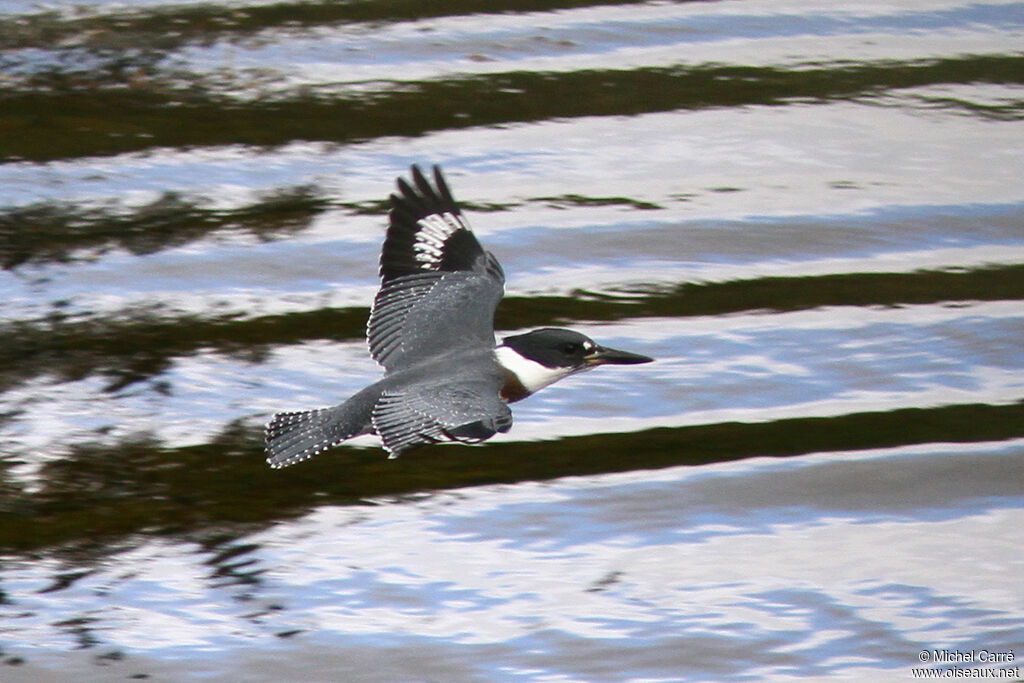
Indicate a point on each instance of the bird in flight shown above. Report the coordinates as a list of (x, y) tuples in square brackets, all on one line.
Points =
[(432, 329)]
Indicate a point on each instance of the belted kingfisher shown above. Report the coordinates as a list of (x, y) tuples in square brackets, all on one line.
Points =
[(432, 328)]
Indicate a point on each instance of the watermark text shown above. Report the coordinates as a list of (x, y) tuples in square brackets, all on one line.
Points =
[(977, 664)]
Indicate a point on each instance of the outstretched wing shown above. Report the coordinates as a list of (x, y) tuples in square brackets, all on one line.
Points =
[(468, 412), (439, 288)]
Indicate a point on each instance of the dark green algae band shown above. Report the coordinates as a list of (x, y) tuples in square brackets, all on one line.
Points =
[(65, 232), (138, 345), (173, 26), (102, 497), (62, 232), (82, 115)]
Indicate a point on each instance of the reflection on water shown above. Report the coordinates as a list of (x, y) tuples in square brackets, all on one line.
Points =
[(776, 562), (810, 215)]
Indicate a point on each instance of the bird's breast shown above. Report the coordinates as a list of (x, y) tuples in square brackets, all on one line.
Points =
[(513, 389)]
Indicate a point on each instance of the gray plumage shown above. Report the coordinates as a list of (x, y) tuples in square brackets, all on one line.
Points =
[(432, 329), (438, 386)]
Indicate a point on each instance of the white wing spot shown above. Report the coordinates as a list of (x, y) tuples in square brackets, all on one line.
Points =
[(435, 230)]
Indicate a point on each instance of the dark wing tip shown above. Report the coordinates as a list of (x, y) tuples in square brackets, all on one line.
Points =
[(425, 189), (421, 197), (442, 188), (426, 230)]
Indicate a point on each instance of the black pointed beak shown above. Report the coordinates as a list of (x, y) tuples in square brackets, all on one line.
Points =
[(605, 356)]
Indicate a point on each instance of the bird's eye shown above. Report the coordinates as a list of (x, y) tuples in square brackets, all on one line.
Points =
[(571, 348)]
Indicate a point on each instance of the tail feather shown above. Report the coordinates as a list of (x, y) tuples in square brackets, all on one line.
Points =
[(298, 436)]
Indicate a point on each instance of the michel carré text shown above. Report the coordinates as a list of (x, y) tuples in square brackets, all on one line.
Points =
[(983, 656)]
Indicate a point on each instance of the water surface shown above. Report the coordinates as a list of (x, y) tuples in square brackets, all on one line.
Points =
[(810, 215)]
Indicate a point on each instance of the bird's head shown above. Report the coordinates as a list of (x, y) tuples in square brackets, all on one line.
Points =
[(544, 356)]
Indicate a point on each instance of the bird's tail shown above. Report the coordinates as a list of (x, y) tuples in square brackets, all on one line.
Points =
[(294, 437)]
